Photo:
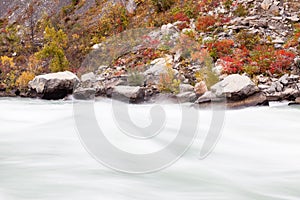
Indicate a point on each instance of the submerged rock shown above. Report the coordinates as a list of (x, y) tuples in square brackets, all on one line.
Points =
[(54, 86)]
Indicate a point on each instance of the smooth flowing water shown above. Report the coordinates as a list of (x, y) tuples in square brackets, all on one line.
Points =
[(41, 156)]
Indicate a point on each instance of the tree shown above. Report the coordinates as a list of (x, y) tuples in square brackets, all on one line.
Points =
[(53, 50)]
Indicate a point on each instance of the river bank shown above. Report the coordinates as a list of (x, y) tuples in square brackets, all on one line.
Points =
[(234, 91)]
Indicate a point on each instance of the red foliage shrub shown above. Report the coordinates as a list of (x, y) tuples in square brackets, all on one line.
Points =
[(183, 18), (231, 65), (223, 47), (204, 22), (262, 60), (262, 56), (220, 48), (283, 61)]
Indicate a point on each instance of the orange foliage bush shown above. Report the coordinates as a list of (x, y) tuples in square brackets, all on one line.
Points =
[(204, 22), (23, 80)]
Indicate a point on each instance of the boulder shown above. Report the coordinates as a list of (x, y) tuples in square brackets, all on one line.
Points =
[(128, 93), (253, 100), (200, 88), (54, 86), (266, 4), (235, 87), (297, 100), (284, 79), (186, 88), (206, 97), (186, 97), (89, 77), (84, 93)]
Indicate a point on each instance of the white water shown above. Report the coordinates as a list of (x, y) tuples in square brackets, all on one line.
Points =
[(41, 157)]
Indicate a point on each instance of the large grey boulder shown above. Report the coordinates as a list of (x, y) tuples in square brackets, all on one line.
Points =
[(128, 93), (54, 86), (235, 87)]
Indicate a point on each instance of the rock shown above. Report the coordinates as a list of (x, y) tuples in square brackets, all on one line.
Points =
[(293, 78), (297, 100), (297, 61), (290, 94), (186, 97), (266, 4), (84, 93), (131, 6), (54, 86), (263, 79), (278, 41), (2, 87), (128, 93), (293, 18), (96, 46), (157, 67), (254, 100), (272, 89), (186, 88), (218, 68), (235, 87), (206, 97), (88, 77), (278, 86), (200, 88), (169, 31), (284, 79), (263, 87)]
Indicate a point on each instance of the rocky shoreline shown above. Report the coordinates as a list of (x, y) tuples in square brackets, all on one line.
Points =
[(233, 91)]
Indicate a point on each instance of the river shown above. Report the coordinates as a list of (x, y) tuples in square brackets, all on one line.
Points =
[(42, 157)]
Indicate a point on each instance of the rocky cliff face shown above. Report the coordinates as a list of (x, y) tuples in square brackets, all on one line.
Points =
[(15, 9)]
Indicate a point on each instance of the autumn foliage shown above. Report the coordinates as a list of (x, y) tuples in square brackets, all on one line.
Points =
[(262, 60)]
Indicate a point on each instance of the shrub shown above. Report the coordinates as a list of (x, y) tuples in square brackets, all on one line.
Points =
[(23, 80), (180, 16), (168, 83), (293, 41), (283, 61), (231, 65), (240, 11), (205, 22), (248, 40), (262, 60), (162, 5), (234, 64), (228, 4), (206, 74), (6, 65), (220, 48), (53, 49), (135, 78)]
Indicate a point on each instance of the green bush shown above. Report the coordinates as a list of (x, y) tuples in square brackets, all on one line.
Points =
[(162, 5), (53, 49)]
